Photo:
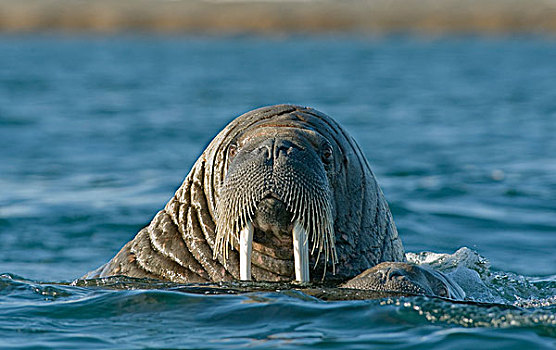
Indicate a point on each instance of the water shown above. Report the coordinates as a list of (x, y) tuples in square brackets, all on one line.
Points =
[(96, 134)]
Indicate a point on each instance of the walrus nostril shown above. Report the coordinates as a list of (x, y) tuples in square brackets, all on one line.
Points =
[(283, 148), (395, 274), (265, 149)]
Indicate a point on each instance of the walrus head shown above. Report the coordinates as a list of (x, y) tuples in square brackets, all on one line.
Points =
[(406, 278), (292, 185), (279, 192)]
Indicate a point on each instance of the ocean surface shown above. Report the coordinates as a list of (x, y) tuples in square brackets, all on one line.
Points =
[(96, 134)]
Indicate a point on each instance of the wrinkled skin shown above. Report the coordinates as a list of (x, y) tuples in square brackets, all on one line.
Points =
[(407, 278), (269, 156)]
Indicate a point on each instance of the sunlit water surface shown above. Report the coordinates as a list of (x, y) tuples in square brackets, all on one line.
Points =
[(97, 133)]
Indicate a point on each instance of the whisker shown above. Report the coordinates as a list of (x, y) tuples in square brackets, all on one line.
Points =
[(306, 197)]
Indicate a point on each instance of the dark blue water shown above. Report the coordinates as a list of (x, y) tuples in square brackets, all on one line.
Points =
[(97, 133)]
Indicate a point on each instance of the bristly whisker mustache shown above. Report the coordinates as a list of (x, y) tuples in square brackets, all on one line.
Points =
[(308, 200)]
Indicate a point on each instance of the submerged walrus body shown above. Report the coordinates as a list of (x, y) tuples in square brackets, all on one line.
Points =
[(282, 193)]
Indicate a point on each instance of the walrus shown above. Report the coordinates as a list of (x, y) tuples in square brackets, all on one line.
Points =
[(408, 278), (282, 193)]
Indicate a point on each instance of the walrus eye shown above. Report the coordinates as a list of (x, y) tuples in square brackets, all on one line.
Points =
[(327, 155), (232, 150)]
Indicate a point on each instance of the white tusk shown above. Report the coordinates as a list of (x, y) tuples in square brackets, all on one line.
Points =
[(245, 250), (300, 252)]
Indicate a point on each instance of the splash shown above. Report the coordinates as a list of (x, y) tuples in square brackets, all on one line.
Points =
[(473, 273)]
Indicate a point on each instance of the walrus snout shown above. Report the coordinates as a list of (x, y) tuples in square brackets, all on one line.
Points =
[(276, 192)]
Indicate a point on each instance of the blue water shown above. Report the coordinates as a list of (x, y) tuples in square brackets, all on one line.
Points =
[(97, 133)]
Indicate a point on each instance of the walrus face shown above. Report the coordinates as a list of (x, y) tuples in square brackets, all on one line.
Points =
[(276, 198)]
